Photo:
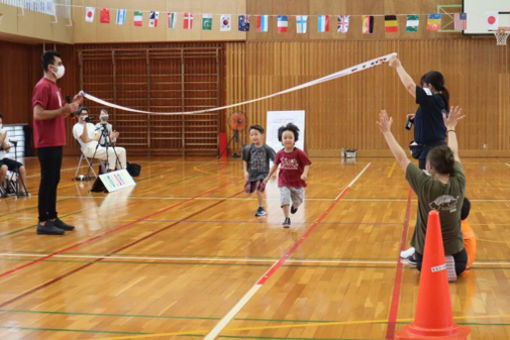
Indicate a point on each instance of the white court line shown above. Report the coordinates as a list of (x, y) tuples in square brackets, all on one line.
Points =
[(246, 298), (478, 264), (197, 259)]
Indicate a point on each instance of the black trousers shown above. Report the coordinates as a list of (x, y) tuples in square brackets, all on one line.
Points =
[(460, 258), (50, 160)]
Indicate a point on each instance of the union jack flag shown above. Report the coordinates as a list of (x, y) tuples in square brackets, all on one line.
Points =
[(343, 23)]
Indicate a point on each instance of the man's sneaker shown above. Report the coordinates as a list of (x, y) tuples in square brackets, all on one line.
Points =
[(61, 225), (450, 268), (408, 252), (260, 212), (292, 209), (410, 260), (49, 229), (286, 223)]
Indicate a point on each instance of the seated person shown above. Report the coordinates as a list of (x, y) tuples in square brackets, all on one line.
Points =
[(88, 137), (112, 135), (9, 164)]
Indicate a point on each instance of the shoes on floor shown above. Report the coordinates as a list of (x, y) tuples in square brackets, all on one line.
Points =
[(286, 222), (62, 225), (260, 212), (293, 210), (408, 252), (49, 229)]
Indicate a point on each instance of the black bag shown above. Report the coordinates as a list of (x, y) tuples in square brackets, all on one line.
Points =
[(416, 149), (134, 169)]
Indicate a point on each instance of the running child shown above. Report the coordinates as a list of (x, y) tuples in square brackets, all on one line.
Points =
[(256, 159), (294, 166)]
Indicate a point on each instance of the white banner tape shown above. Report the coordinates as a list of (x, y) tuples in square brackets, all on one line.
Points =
[(345, 72)]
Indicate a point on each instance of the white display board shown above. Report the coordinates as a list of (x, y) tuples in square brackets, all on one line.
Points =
[(117, 180), (275, 119), (476, 13)]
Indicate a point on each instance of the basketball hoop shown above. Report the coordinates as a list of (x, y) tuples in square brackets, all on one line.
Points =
[(501, 35)]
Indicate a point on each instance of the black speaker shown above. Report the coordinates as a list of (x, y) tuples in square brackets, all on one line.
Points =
[(98, 186)]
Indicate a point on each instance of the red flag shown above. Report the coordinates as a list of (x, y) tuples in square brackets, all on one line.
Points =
[(105, 16), (188, 21)]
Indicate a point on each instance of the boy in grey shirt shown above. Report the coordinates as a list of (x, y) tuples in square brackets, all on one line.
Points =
[(256, 159)]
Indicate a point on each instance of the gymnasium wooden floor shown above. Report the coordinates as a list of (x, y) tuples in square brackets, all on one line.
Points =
[(171, 258)]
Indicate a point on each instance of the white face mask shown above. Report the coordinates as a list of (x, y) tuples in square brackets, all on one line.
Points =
[(61, 70)]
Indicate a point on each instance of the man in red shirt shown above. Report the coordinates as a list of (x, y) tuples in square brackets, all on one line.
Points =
[(49, 112)]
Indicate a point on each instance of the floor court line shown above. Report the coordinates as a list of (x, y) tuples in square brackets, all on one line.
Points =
[(58, 278), (392, 315), (100, 236), (253, 290)]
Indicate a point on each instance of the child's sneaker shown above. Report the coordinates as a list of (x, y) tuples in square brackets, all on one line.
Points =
[(406, 253), (286, 223), (293, 210), (260, 212), (450, 268)]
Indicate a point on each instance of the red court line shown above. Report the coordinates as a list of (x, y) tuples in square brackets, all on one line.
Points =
[(395, 299), (95, 238), (278, 264), (63, 276)]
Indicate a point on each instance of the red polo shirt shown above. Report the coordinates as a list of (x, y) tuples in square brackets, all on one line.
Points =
[(48, 132)]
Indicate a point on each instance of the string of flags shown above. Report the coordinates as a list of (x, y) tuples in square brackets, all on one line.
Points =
[(261, 22)]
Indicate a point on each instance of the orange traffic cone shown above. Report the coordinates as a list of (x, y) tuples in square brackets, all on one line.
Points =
[(433, 319)]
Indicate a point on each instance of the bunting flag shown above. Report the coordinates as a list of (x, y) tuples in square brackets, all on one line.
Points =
[(262, 25), (121, 17), (172, 19), (367, 26), (301, 23), (244, 23), (104, 16), (153, 19), (188, 21), (413, 21), (89, 14), (343, 23), (207, 22), (138, 18), (323, 23), (390, 24), (282, 23), (492, 20), (459, 21), (434, 22), (225, 22)]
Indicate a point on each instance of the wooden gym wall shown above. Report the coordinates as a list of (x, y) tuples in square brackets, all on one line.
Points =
[(340, 113)]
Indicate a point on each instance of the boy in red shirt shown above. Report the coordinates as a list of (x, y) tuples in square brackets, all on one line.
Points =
[(49, 112), (294, 166)]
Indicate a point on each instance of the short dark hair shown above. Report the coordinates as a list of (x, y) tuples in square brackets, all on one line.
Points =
[(466, 207), (441, 158), (82, 108), (257, 127), (48, 58), (289, 127)]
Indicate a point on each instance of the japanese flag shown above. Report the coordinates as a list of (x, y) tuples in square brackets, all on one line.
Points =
[(491, 20), (89, 14)]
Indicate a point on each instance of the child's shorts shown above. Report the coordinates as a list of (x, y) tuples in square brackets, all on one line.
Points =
[(251, 187), (290, 194)]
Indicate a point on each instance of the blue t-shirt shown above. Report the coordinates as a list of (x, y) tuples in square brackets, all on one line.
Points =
[(429, 126)]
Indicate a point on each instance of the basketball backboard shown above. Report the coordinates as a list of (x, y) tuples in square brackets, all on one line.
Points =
[(485, 16)]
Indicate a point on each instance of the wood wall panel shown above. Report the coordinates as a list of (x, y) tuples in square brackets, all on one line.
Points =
[(342, 112)]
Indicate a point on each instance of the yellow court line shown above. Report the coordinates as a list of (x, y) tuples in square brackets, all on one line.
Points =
[(491, 241), (304, 325), (392, 169)]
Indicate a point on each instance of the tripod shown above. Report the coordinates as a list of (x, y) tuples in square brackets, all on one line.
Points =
[(235, 136), (105, 138)]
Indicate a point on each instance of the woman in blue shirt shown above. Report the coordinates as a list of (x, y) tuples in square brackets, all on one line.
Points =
[(433, 100)]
